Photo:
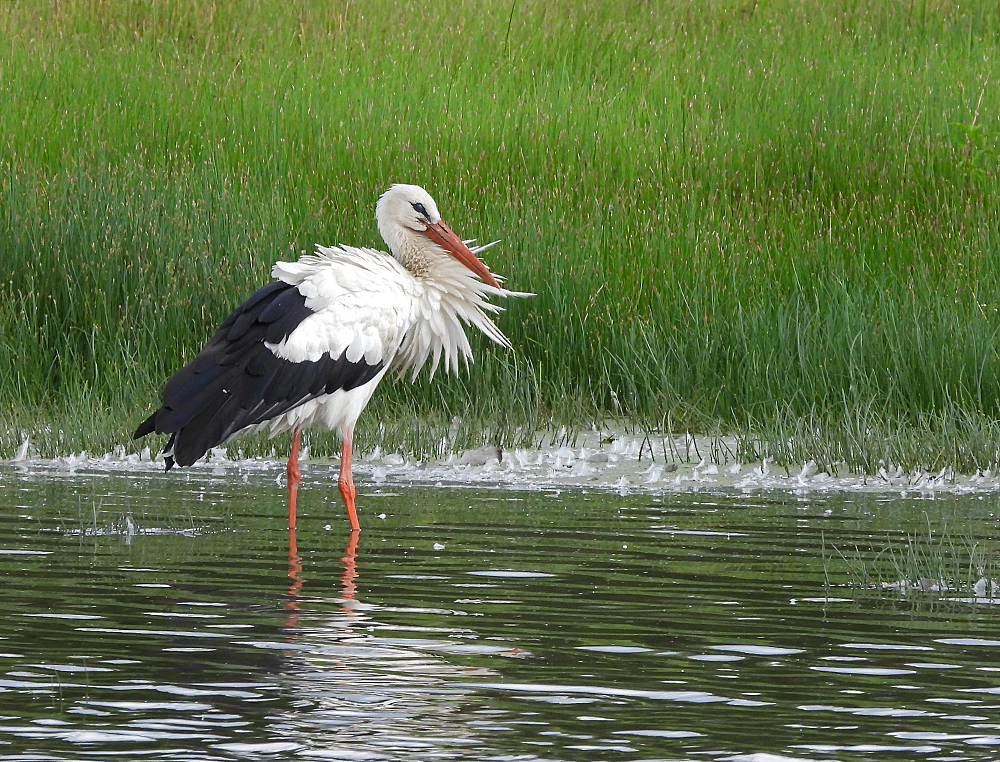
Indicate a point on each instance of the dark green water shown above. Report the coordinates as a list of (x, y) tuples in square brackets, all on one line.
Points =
[(162, 617)]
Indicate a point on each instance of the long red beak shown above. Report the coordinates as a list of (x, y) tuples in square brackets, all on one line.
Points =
[(443, 236)]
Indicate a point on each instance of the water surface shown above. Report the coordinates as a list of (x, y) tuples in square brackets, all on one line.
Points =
[(166, 617)]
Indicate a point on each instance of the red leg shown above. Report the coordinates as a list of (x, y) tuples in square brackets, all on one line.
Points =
[(346, 481), (294, 477)]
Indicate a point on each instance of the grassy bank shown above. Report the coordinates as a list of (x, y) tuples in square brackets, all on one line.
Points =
[(775, 219)]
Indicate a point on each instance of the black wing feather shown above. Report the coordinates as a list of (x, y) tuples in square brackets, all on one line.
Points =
[(236, 381), (240, 321)]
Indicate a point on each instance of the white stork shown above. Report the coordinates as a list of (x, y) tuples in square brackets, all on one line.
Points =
[(308, 349)]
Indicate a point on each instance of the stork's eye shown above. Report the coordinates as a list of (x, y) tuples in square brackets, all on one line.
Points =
[(419, 209)]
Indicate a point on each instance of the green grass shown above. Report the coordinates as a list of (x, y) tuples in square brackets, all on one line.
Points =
[(938, 560), (777, 219)]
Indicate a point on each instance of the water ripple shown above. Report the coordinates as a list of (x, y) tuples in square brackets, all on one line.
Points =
[(481, 626)]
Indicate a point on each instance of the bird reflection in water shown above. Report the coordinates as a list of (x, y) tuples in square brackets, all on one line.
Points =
[(348, 588), (380, 677)]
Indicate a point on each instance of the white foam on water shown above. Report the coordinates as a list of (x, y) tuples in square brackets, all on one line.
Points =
[(598, 459)]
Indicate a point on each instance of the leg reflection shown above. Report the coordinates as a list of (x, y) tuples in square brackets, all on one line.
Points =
[(347, 586), (295, 575), (348, 589)]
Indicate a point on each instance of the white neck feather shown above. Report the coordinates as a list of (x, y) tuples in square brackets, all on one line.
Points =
[(451, 298)]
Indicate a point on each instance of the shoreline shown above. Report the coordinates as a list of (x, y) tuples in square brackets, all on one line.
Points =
[(598, 461)]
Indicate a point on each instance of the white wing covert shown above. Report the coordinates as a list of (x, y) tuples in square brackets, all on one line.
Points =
[(359, 302)]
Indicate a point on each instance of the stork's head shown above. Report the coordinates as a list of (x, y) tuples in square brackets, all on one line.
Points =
[(408, 220)]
